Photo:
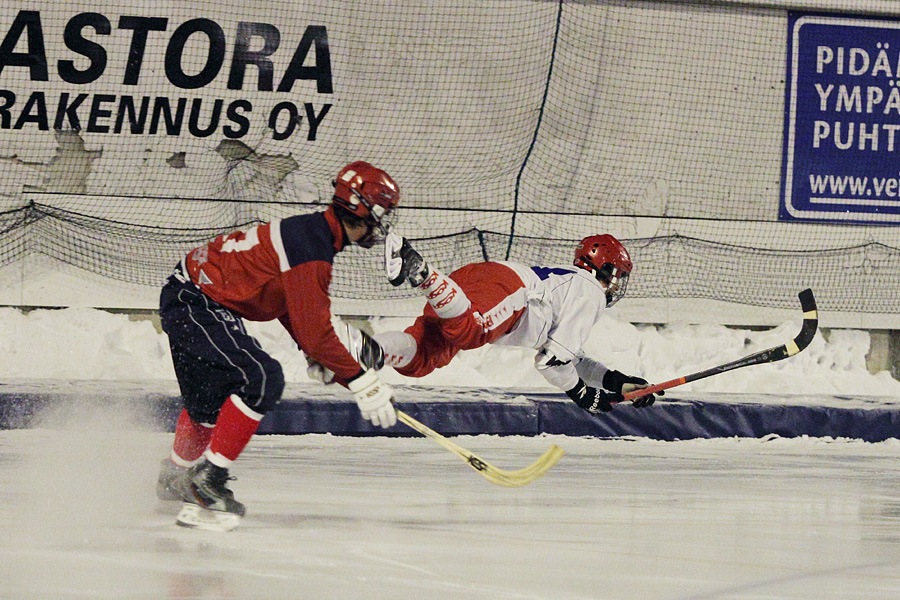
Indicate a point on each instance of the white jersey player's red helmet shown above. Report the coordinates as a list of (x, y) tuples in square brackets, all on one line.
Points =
[(365, 191), (605, 257)]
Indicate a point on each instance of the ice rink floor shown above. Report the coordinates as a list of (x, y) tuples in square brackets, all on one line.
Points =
[(403, 519)]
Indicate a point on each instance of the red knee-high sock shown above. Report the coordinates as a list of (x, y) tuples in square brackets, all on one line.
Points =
[(191, 439), (235, 426)]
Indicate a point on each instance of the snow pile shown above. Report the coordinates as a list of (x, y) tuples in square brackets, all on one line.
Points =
[(80, 343)]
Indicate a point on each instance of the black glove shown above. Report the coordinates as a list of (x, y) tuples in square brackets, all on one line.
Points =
[(593, 399), (621, 383)]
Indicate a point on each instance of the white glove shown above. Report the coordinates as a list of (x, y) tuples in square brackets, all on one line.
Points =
[(393, 262), (318, 372), (374, 399)]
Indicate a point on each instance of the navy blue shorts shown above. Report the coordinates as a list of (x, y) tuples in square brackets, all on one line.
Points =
[(213, 354)]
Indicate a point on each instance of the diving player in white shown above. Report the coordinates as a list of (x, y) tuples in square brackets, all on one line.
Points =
[(550, 309)]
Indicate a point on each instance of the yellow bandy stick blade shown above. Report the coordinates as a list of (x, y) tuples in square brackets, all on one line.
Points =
[(486, 469)]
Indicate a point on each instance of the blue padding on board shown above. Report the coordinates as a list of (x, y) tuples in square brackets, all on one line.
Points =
[(465, 411), (447, 417), (53, 403), (683, 419), (320, 409)]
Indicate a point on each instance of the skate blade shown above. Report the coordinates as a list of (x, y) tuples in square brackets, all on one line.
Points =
[(197, 517)]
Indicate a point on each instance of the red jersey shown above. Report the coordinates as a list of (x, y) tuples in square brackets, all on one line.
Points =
[(280, 270)]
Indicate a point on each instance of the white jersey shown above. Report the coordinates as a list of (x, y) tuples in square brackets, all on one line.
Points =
[(562, 305)]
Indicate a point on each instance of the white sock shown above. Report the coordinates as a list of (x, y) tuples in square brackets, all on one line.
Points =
[(399, 347), (444, 295)]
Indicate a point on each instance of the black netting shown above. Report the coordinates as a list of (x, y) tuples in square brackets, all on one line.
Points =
[(514, 129)]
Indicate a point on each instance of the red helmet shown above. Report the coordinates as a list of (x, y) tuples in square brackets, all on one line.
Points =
[(605, 257), (365, 191)]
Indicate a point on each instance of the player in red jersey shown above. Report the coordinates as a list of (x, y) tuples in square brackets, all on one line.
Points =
[(277, 270)]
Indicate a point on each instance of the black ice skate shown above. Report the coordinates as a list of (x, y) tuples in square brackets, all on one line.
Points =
[(211, 505), (173, 483), (402, 262)]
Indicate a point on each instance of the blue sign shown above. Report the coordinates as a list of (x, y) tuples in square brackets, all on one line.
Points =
[(842, 120)]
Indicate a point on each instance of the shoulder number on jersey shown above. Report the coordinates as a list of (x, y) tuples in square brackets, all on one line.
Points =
[(240, 241)]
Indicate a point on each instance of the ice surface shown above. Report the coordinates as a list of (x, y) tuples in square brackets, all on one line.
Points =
[(402, 519)]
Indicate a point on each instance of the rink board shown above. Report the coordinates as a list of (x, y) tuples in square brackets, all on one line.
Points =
[(469, 411)]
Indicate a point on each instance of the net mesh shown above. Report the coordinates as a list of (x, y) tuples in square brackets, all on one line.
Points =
[(513, 128)]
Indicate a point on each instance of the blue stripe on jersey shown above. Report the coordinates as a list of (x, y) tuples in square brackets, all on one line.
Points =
[(307, 238), (545, 272)]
